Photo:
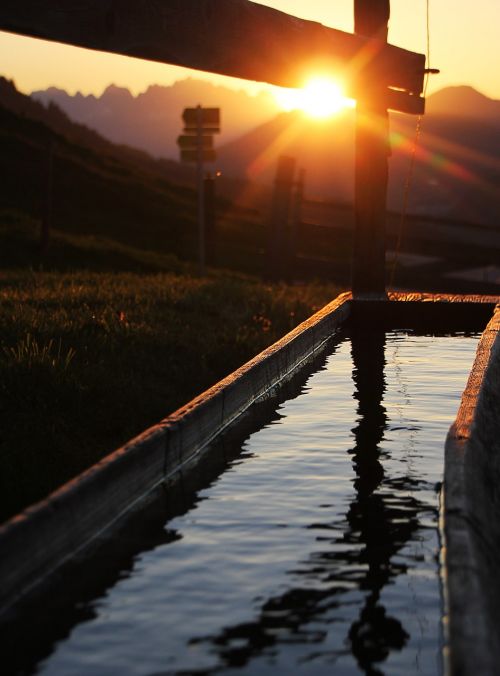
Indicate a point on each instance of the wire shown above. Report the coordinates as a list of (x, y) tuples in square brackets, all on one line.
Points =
[(411, 167)]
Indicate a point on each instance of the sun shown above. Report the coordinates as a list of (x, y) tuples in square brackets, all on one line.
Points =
[(320, 97)]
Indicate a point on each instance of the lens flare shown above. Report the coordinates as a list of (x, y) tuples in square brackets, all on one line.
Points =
[(321, 97)]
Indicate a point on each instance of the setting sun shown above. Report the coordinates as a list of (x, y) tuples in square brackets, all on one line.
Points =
[(321, 97)]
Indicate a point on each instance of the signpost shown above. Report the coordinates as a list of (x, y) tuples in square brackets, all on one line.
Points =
[(197, 145)]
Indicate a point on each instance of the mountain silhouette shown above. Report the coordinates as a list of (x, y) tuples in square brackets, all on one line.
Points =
[(463, 101), (152, 120)]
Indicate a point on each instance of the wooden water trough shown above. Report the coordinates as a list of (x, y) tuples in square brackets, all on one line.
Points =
[(38, 545)]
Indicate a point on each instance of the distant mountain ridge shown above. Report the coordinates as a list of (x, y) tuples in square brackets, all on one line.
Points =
[(463, 101), (152, 120)]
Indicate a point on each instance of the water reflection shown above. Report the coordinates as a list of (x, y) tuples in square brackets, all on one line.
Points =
[(357, 553), (378, 521), (31, 633)]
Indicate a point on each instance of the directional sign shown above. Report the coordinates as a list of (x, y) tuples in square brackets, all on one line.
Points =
[(206, 117), (206, 130), (192, 155), (193, 140)]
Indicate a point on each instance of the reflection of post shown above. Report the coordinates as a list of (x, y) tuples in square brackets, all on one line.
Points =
[(369, 361), (201, 196), (374, 518), (296, 220), (371, 167), (280, 211), (49, 188), (209, 189)]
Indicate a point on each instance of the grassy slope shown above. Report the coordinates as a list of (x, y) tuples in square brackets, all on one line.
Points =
[(89, 358), (94, 192)]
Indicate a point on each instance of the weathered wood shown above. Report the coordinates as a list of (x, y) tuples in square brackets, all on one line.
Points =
[(46, 222), (232, 37), (279, 218), (210, 219), (471, 519), (371, 163), (295, 221)]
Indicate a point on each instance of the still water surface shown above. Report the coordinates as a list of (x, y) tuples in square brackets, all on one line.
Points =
[(316, 551)]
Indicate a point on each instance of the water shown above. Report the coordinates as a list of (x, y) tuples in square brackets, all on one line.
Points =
[(316, 551)]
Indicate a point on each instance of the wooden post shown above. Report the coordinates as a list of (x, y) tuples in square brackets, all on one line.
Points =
[(209, 189), (200, 190), (296, 220), (371, 164), (46, 222), (280, 212)]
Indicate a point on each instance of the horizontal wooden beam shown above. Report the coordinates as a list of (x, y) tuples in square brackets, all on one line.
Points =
[(231, 37)]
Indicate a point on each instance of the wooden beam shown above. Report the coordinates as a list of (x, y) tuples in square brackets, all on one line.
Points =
[(371, 164), (231, 37)]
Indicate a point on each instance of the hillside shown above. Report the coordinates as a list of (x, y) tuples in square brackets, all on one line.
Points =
[(94, 192)]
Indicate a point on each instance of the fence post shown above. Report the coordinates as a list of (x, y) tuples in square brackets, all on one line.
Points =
[(46, 222), (280, 212), (210, 220), (296, 221), (371, 163), (200, 190)]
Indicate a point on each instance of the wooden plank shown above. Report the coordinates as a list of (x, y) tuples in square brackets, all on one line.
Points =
[(279, 218), (191, 142), (231, 37), (208, 117), (470, 518), (371, 163), (193, 155)]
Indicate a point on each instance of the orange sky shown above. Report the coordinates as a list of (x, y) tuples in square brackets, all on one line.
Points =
[(464, 45)]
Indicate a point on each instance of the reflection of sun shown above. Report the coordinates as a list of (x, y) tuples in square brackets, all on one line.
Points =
[(320, 97)]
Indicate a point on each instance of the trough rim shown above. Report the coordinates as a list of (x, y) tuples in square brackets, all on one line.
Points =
[(469, 643)]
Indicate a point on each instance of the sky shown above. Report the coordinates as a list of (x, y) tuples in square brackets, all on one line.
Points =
[(464, 45)]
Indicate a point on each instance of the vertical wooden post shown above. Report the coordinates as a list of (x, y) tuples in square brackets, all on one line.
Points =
[(280, 212), (201, 194), (296, 220), (46, 223), (371, 19), (209, 190)]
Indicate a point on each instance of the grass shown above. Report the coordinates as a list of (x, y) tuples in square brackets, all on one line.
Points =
[(90, 358)]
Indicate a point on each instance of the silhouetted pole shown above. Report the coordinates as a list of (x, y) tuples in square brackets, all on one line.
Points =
[(371, 19), (280, 213), (201, 191), (209, 189), (296, 220), (46, 223)]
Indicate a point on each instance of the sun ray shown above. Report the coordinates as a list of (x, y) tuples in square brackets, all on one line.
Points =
[(320, 98)]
